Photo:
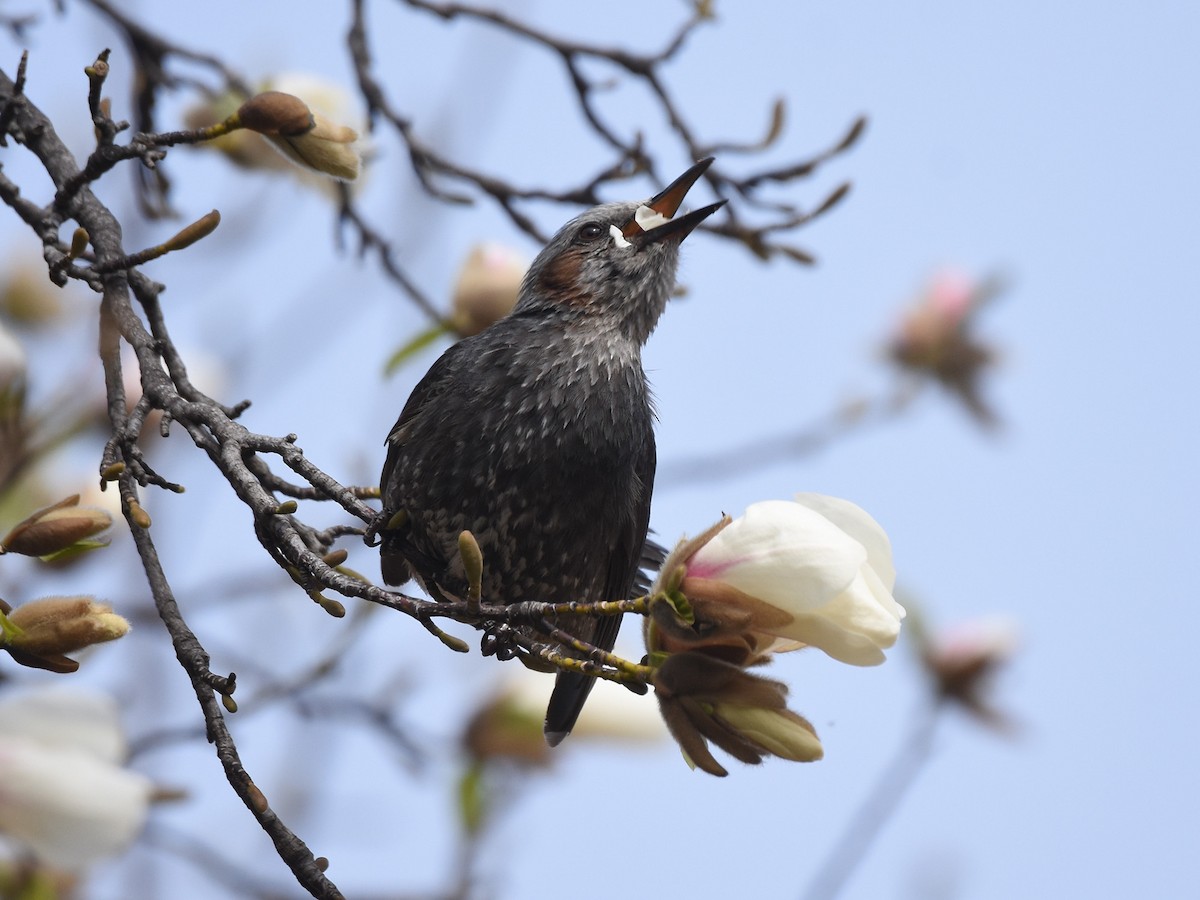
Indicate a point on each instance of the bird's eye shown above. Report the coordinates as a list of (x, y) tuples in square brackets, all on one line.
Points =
[(590, 232)]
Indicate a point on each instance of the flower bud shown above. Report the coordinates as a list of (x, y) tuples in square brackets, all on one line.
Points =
[(306, 138), (274, 113), (53, 626), (962, 660), (936, 338), (241, 146), (57, 529), (291, 105), (705, 699), (779, 732), (487, 287)]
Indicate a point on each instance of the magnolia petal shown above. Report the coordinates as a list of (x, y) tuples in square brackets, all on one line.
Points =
[(857, 609), (780, 645), (816, 630), (883, 595), (858, 523), (70, 808), (784, 553), (65, 718)]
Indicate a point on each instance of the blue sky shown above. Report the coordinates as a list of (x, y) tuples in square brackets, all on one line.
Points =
[(1056, 144)]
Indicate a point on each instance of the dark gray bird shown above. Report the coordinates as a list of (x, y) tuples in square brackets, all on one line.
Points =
[(537, 434)]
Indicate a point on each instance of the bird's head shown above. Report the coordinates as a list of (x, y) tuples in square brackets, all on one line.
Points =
[(615, 262)]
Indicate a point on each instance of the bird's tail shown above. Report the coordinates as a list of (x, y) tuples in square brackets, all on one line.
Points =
[(571, 691)]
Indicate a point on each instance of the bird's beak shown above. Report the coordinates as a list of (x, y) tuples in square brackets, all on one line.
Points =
[(664, 205), (677, 229)]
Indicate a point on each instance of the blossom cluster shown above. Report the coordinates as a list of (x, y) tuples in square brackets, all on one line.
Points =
[(813, 572)]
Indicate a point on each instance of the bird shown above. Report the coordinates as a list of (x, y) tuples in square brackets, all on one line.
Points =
[(537, 434)]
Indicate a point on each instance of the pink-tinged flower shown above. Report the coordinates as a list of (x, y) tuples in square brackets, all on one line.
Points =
[(935, 338), (962, 661), (63, 793), (816, 571)]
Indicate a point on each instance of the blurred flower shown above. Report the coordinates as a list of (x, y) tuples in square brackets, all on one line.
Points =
[(14, 428), (311, 134), (41, 632), (935, 338), (509, 724), (486, 290), (507, 728), (487, 287), (106, 499), (963, 660), (816, 572), (28, 297), (13, 365), (305, 137), (62, 528), (63, 793)]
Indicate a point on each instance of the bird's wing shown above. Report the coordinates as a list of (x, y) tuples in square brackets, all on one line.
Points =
[(427, 390), (571, 689), (394, 549)]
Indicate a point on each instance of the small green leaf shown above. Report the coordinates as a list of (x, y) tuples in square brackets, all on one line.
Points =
[(472, 798), (412, 348)]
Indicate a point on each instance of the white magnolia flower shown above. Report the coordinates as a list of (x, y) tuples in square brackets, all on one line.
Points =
[(63, 794), (815, 571)]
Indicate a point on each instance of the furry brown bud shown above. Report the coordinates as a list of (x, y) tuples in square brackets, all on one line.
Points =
[(56, 528), (53, 626)]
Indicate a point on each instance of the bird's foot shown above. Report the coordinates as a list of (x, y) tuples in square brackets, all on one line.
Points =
[(499, 640)]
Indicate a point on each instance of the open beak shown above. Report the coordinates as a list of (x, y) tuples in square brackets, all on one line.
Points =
[(665, 204)]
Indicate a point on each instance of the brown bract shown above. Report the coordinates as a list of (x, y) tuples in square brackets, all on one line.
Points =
[(55, 528), (704, 699), (275, 113)]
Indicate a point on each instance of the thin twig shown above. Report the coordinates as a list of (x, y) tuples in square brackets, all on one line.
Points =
[(880, 805)]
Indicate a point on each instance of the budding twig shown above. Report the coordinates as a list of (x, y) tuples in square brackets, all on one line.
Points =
[(201, 228)]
